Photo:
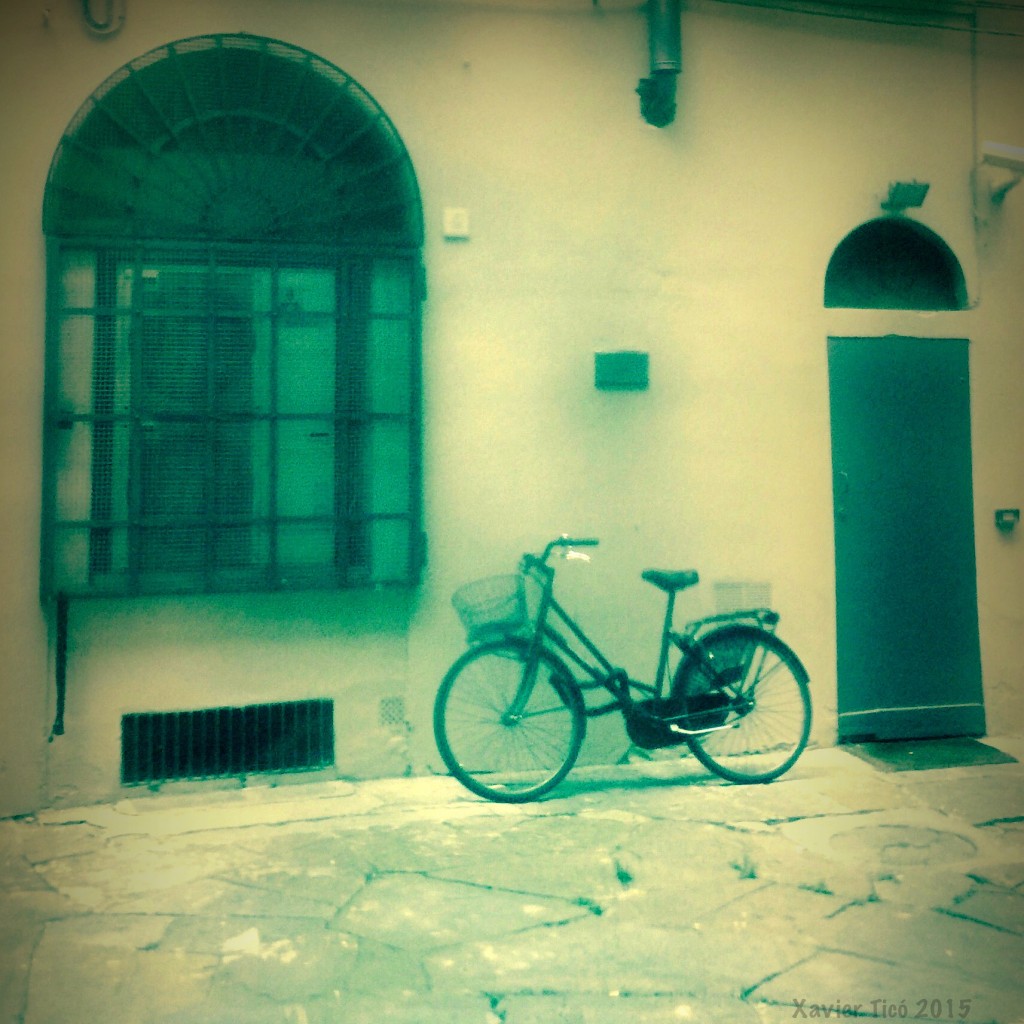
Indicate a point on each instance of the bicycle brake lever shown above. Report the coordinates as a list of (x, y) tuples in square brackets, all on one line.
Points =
[(579, 555)]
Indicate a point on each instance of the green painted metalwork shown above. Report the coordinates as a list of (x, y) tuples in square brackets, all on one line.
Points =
[(233, 332), (909, 662), (233, 137)]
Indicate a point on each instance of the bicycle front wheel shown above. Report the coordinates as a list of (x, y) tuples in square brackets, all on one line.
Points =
[(750, 692), (495, 750)]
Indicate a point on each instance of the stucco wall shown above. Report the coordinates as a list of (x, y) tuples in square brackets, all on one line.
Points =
[(998, 387), (704, 244)]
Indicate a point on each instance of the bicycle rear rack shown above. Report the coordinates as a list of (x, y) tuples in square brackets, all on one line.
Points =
[(764, 618)]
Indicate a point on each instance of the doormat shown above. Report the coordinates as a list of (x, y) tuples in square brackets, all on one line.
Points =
[(920, 755)]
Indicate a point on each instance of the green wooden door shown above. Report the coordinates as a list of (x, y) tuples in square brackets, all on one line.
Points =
[(908, 654)]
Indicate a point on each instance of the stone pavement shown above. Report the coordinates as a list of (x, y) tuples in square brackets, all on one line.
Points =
[(643, 893)]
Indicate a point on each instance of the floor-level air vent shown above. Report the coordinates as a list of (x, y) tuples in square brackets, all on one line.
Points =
[(217, 742)]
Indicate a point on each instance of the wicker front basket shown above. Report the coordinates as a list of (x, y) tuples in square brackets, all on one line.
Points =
[(494, 606)]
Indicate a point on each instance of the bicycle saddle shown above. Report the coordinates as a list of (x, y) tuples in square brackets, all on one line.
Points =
[(669, 580)]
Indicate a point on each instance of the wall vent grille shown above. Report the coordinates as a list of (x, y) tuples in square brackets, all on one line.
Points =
[(741, 595), (218, 742), (392, 713)]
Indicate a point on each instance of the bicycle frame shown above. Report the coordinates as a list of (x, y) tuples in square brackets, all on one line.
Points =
[(602, 673)]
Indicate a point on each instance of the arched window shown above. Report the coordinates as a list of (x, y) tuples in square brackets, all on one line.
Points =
[(234, 328), (894, 263)]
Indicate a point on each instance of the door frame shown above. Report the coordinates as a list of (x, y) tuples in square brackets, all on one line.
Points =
[(865, 709)]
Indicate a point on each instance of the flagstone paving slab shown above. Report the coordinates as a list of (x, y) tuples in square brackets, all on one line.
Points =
[(920, 935), (880, 989), (541, 856), (586, 956), (230, 1005), (416, 912), (386, 972), (79, 975), (18, 943), (635, 1009), (430, 846), (1000, 908), (975, 798), (287, 967)]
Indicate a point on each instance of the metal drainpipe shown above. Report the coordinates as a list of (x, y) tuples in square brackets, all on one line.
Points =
[(664, 35)]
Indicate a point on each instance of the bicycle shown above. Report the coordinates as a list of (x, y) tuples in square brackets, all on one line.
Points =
[(510, 714)]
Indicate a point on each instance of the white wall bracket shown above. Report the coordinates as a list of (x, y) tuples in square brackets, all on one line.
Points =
[(1002, 168)]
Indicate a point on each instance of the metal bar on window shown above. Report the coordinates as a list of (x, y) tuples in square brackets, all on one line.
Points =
[(273, 439), (417, 541), (342, 306), (212, 339), (136, 427), (103, 389), (196, 169)]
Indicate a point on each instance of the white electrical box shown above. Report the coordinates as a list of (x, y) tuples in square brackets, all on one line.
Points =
[(456, 222)]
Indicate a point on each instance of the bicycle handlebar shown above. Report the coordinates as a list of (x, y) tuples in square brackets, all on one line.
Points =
[(565, 541)]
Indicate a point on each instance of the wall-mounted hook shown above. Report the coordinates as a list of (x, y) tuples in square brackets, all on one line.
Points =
[(112, 20)]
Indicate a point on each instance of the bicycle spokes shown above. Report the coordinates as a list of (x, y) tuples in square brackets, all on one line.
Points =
[(500, 739), (761, 698)]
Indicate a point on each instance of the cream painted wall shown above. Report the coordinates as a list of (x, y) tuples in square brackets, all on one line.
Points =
[(704, 244), (998, 382)]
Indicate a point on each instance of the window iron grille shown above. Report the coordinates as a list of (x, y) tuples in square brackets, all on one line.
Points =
[(224, 421), (233, 137), (233, 332)]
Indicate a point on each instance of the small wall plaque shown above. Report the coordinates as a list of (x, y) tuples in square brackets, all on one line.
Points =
[(621, 371)]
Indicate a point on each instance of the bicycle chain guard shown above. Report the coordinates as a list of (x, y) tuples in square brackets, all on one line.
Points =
[(648, 721), (646, 725)]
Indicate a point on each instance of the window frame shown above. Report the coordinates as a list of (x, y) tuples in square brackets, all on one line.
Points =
[(352, 512)]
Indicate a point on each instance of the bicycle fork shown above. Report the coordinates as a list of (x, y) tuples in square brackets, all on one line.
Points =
[(513, 714)]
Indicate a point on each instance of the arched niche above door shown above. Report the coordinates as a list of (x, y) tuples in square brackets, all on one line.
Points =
[(894, 263)]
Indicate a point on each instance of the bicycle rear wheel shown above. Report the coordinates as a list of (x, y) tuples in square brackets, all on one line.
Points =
[(750, 690), (510, 758)]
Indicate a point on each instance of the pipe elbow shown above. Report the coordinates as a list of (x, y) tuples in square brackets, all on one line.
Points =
[(664, 37)]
